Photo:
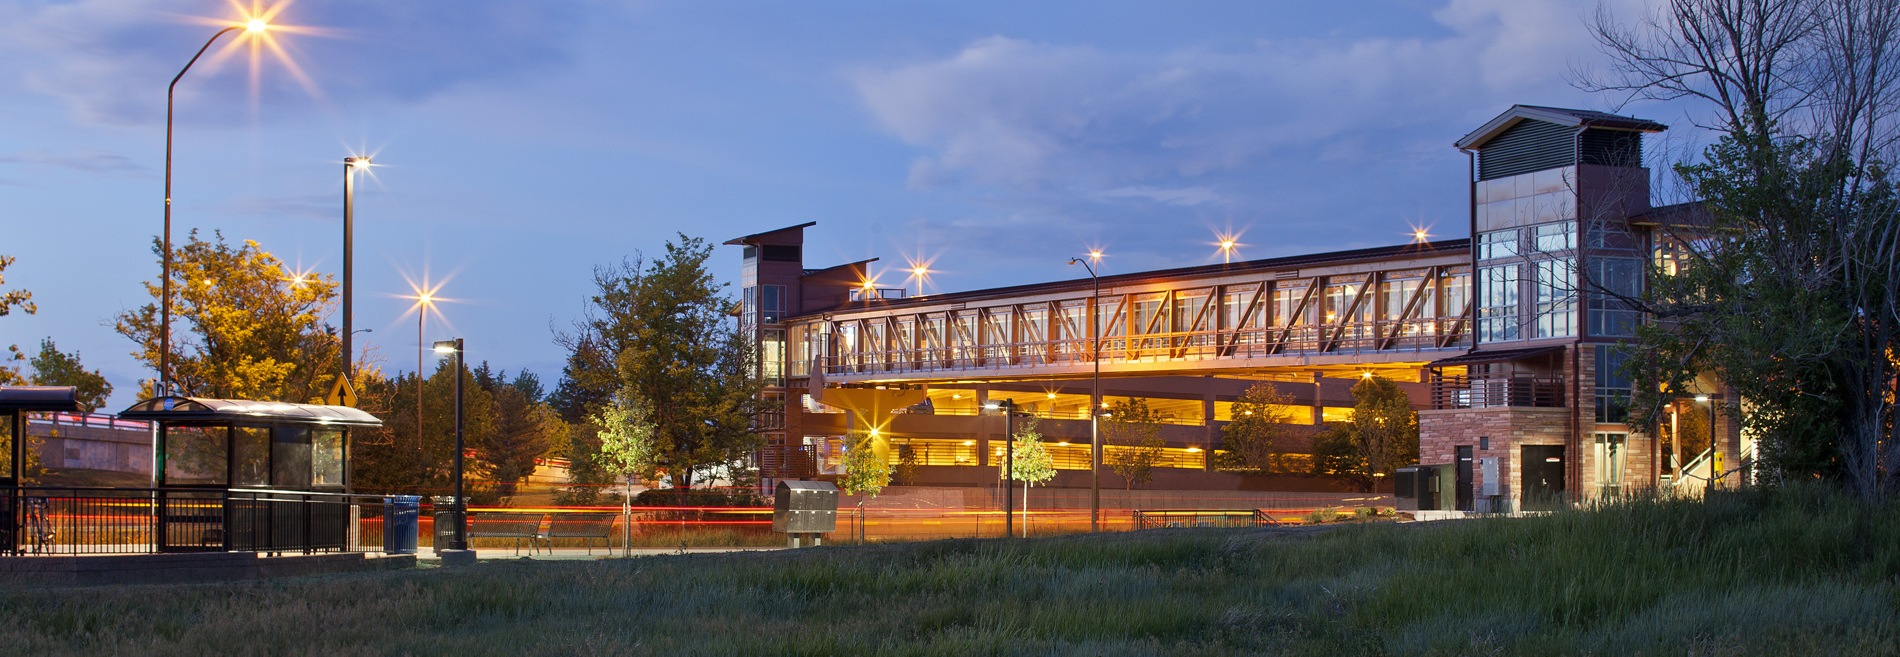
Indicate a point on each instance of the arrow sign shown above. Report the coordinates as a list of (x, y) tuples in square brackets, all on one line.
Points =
[(341, 393)]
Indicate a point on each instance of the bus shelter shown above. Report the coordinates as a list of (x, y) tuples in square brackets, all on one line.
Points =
[(246, 475), (15, 403)]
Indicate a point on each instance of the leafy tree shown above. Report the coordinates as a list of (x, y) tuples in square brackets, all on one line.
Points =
[(523, 432), (1135, 428), (627, 447), (253, 331), (397, 458), (11, 300), (1788, 288), (865, 473), (56, 368), (1382, 436), (906, 471), (1033, 464), (1260, 428), (677, 353)]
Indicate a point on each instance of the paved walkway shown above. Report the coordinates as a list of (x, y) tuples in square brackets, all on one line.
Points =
[(579, 554)]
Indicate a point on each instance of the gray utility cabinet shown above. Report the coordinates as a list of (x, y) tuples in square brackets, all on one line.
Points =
[(804, 510)]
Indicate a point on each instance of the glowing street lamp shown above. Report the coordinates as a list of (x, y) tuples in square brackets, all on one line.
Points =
[(255, 26), (458, 551), (351, 166), (1095, 391), (1008, 409), (921, 272)]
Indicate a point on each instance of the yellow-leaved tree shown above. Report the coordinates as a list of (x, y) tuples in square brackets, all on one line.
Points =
[(245, 327)]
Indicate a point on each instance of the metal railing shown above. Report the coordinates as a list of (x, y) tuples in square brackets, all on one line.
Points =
[(1356, 338), (1157, 519), (1495, 391), (86, 521)]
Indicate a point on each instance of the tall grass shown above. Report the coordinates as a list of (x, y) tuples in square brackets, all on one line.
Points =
[(1794, 573)]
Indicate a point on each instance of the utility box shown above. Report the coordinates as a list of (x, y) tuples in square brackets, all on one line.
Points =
[(805, 509), (1426, 487)]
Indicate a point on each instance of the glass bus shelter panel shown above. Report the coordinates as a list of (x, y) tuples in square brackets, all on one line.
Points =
[(290, 457), (196, 455)]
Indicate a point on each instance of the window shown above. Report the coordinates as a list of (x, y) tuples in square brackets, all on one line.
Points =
[(326, 457), (771, 303), (252, 445), (1611, 316), (1560, 236), (1497, 310), (1610, 458), (1497, 244), (1556, 298), (772, 357), (1612, 385), (195, 455)]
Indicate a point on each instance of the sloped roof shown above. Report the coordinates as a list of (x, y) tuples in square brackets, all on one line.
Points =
[(1558, 115), (201, 408), (739, 241)]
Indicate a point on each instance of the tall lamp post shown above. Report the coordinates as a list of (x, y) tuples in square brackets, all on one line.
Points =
[(254, 26), (1008, 407), (1095, 392), (458, 551), (351, 166)]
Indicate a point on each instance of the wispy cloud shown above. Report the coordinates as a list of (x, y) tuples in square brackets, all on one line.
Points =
[(89, 161), (111, 59)]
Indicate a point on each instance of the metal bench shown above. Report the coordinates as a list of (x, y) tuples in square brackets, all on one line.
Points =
[(518, 526), (584, 526)]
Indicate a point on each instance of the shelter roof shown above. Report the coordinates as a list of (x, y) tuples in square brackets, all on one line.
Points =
[(203, 409), (38, 398), (1558, 115)]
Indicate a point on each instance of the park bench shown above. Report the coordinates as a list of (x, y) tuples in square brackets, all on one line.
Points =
[(584, 526), (518, 526)]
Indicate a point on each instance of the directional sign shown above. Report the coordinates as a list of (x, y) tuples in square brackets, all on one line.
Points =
[(341, 393)]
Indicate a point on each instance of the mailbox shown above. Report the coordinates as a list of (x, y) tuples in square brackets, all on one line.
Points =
[(805, 509)]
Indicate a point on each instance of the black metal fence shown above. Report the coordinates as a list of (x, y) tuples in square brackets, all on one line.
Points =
[(84, 521), (1156, 519)]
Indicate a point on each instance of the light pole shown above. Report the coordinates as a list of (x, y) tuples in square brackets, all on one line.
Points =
[(1095, 393), (254, 26), (424, 301), (1008, 407), (351, 165), (460, 544)]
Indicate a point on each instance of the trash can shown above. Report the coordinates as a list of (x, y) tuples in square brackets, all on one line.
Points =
[(444, 521), (400, 523)]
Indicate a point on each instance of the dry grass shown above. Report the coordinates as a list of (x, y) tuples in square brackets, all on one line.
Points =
[(1791, 574)]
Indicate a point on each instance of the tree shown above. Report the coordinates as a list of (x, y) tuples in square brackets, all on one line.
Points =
[(1382, 436), (523, 432), (1033, 464), (865, 473), (1788, 288), (1135, 429), (253, 330), (1260, 428), (11, 300), (627, 446), (397, 458), (677, 353), (56, 368)]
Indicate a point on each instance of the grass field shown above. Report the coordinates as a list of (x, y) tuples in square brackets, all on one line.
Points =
[(1795, 574)]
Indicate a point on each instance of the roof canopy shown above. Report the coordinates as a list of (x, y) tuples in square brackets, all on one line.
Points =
[(38, 398), (1498, 356), (1558, 115), (246, 410)]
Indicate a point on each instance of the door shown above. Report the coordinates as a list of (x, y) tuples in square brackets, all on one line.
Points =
[(1464, 482), (1543, 477)]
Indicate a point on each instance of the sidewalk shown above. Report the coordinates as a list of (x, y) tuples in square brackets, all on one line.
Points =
[(427, 555)]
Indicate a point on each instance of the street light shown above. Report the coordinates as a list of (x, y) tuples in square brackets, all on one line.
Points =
[(256, 25), (1095, 392), (458, 551), (1008, 407), (351, 165)]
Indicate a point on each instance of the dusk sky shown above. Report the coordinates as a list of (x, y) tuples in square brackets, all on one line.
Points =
[(522, 144)]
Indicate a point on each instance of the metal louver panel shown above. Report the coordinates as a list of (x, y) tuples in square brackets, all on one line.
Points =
[(1526, 147)]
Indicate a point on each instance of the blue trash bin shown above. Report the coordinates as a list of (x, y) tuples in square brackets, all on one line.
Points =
[(400, 515)]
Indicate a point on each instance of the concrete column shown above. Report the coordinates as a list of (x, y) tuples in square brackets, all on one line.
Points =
[(1207, 423), (986, 428), (1319, 406)]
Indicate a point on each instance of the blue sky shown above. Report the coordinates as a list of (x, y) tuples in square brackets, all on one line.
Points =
[(522, 144)]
